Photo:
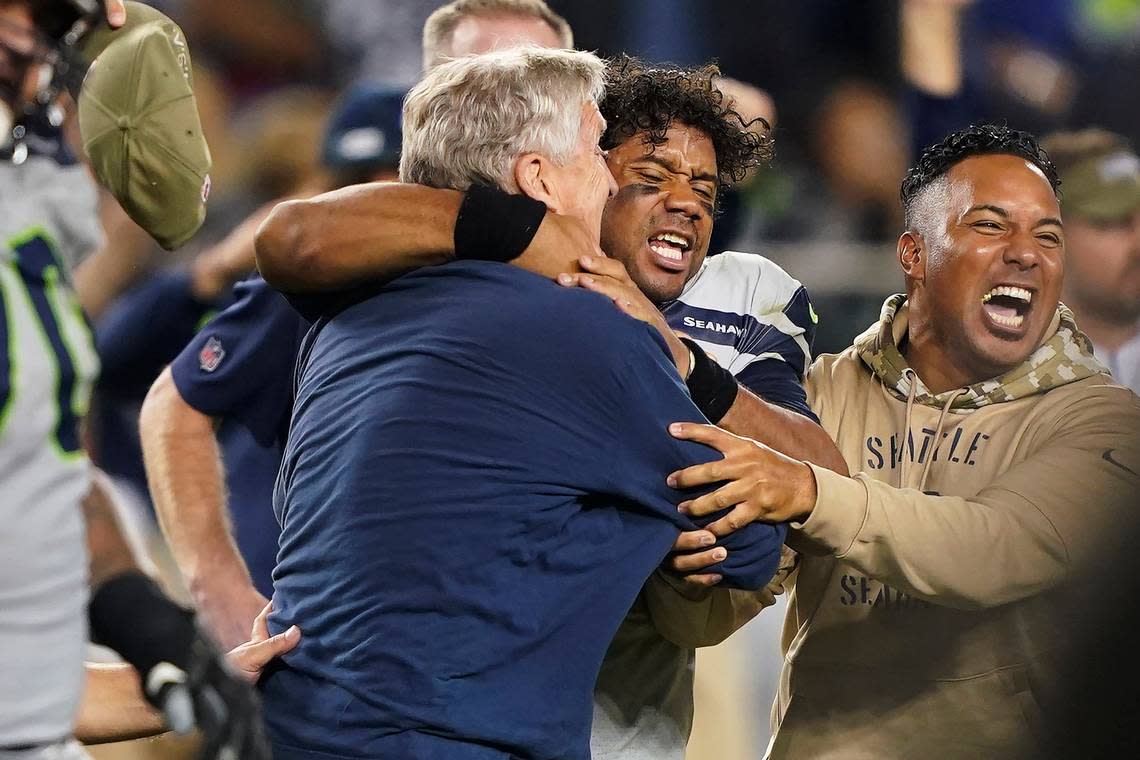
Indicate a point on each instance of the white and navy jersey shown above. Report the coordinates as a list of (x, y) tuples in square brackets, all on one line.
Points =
[(757, 322), (47, 366), (754, 320)]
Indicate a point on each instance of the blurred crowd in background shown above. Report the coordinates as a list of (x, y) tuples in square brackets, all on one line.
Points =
[(853, 90), (832, 76)]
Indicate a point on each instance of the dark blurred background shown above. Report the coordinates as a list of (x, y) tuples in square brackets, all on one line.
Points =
[(848, 120)]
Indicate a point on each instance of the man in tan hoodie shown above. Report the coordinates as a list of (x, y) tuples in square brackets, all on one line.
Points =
[(993, 456)]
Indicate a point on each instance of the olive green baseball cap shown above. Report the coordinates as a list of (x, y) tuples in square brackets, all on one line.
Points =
[(139, 122), (1102, 188)]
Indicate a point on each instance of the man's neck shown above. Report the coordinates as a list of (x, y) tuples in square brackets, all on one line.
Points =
[(931, 363), (1107, 335), (930, 357)]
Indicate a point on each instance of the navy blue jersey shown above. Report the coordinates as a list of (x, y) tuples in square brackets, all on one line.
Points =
[(140, 333), (472, 494), (239, 368)]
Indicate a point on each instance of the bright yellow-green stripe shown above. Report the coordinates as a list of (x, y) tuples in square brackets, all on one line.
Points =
[(50, 276)]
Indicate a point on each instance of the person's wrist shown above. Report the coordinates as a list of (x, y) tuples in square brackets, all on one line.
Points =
[(493, 225), (212, 580), (682, 354), (681, 584), (804, 494), (712, 387)]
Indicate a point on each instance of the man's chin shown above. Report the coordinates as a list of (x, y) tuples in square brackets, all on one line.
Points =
[(660, 289), (999, 355)]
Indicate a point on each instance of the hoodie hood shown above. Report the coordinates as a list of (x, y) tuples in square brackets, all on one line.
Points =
[(1064, 357)]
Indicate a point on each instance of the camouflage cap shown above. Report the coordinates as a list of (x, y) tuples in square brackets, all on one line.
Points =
[(139, 122), (1102, 188)]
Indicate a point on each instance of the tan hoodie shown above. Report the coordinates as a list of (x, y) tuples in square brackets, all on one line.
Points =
[(930, 597)]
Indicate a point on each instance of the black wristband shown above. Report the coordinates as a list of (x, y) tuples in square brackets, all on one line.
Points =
[(712, 387), (130, 614), (495, 226)]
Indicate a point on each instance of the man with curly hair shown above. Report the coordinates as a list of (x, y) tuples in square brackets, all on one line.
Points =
[(471, 490), (931, 601), (673, 143)]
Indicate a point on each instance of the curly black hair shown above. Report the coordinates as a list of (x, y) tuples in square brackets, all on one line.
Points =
[(975, 140), (641, 99)]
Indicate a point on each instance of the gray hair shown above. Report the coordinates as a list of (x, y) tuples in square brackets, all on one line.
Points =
[(441, 24), (926, 212), (469, 120)]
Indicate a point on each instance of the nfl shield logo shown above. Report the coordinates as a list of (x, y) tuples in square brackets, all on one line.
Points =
[(211, 354)]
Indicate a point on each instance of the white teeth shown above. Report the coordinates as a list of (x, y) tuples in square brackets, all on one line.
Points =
[(669, 237), (1020, 294), (1014, 321), (667, 251)]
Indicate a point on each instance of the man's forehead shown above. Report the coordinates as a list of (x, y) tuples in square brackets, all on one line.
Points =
[(684, 146), (1000, 177)]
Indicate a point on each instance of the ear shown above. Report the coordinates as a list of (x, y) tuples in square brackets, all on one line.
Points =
[(533, 176), (911, 252)]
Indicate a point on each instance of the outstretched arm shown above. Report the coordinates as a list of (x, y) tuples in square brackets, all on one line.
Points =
[(929, 45), (355, 235), (378, 231), (1018, 536), (187, 483)]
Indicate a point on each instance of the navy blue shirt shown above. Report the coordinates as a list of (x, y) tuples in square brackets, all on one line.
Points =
[(472, 494), (239, 368), (138, 336)]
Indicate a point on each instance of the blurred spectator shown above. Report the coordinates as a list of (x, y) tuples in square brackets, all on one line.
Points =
[(377, 40), (1100, 177), (380, 40), (362, 141), (1039, 68), (846, 187), (465, 27), (861, 140), (278, 137), (930, 57)]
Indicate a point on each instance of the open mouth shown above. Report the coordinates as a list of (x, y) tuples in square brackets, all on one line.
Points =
[(1007, 306), (670, 250)]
